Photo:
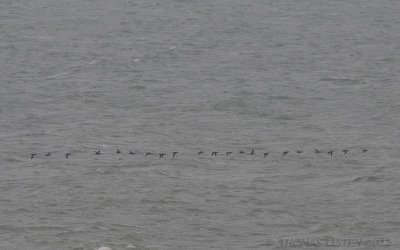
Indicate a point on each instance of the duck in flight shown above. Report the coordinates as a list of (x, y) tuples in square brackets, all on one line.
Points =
[(48, 154), (131, 153), (98, 152), (252, 152), (214, 153), (147, 154), (118, 151), (266, 154), (174, 154), (345, 151), (162, 155), (67, 155), (285, 153), (33, 155), (200, 152), (330, 153), (317, 151), (299, 151), (228, 153)]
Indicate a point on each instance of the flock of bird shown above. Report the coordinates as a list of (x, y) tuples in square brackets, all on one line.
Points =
[(213, 153)]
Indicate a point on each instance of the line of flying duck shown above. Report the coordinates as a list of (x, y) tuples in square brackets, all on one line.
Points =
[(213, 153)]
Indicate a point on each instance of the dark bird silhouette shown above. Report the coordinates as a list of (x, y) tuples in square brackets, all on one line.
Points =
[(364, 150), (48, 154), (266, 154), (67, 155), (118, 151), (299, 151), (241, 152), (33, 155), (214, 153), (131, 153), (317, 151), (330, 153), (98, 152), (147, 154), (228, 153), (345, 151), (162, 155), (252, 152), (285, 153), (200, 152), (173, 154)]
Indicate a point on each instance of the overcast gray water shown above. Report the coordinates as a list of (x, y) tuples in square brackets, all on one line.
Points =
[(185, 76)]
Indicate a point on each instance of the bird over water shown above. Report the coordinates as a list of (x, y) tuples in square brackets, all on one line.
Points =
[(213, 153)]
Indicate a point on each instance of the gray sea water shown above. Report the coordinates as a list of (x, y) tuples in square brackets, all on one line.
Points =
[(157, 76)]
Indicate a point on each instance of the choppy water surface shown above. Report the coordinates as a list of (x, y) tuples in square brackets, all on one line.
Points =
[(189, 76)]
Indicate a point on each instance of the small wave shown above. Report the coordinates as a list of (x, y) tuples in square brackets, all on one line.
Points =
[(284, 117), (60, 75), (103, 248), (342, 81), (367, 178), (137, 87), (147, 201)]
